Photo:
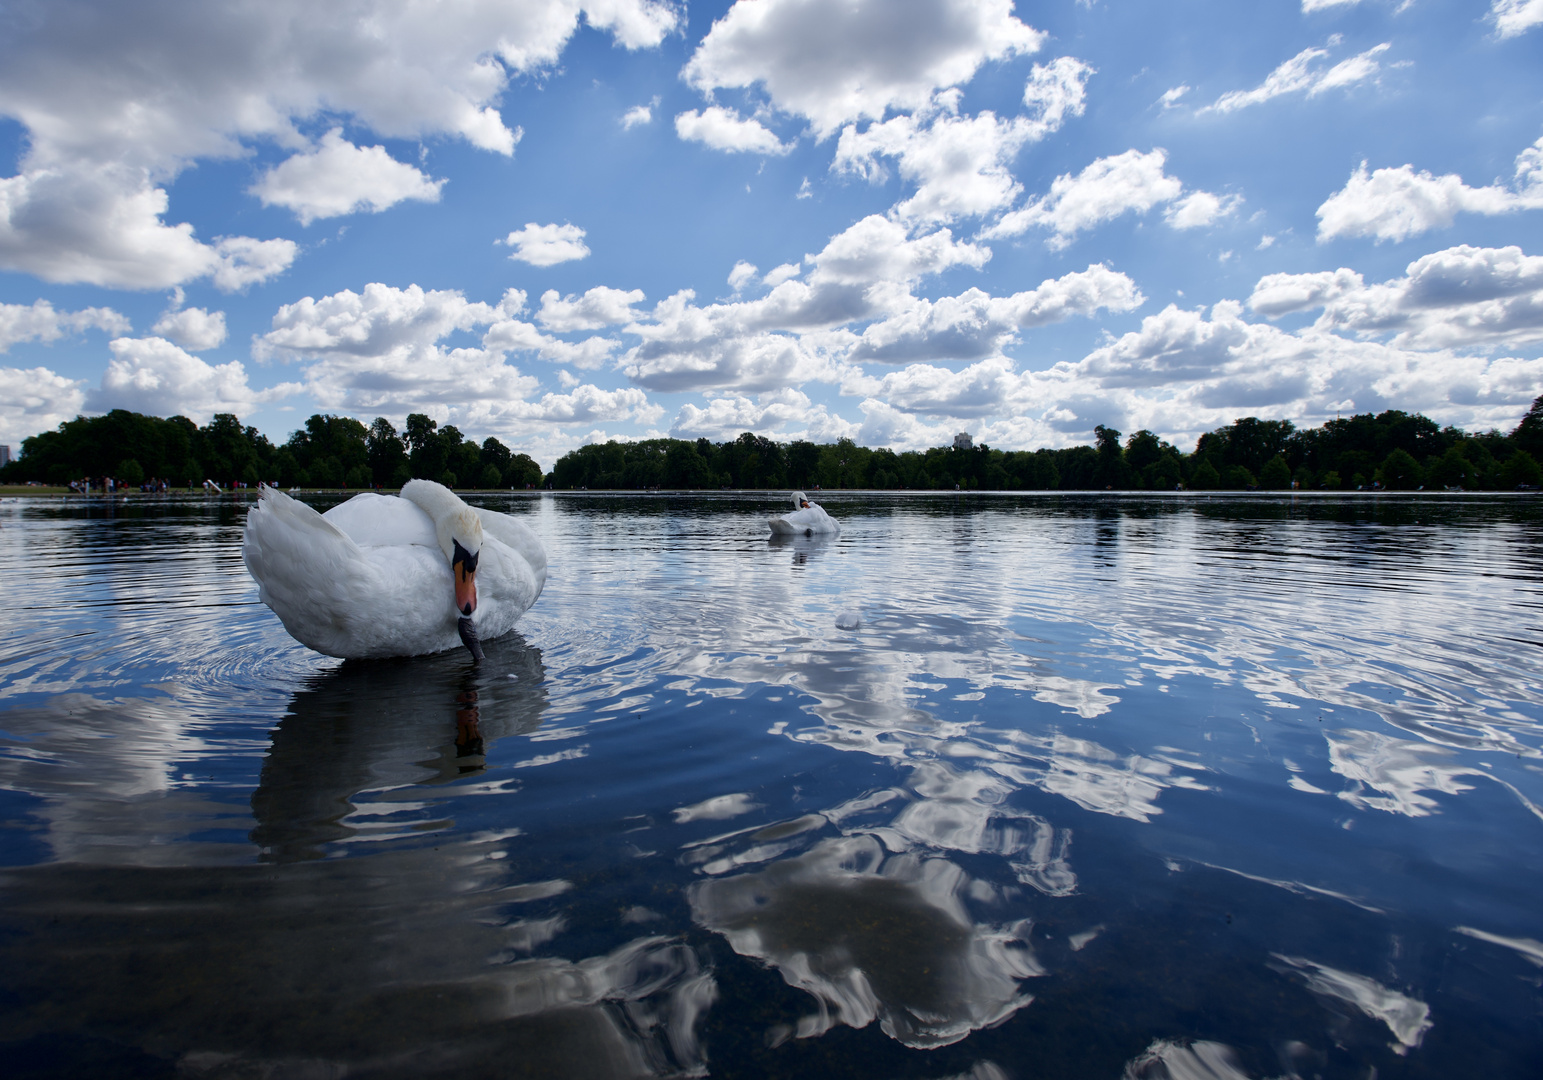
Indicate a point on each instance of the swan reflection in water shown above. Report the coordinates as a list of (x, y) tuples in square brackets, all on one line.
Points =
[(349, 761), (416, 959), (805, 548)]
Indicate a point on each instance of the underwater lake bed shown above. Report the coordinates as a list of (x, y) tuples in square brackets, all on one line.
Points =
[(988, 786)]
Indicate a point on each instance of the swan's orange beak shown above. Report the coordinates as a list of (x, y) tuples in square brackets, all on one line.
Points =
[(464, 567)]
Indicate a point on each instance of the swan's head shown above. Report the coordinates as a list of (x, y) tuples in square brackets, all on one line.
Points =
[(460, 535), (800, 501)]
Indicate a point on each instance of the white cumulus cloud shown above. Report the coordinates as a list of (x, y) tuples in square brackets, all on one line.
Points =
[(725, 129), (192, 328), (547, 245), (389, 351), (975, 325), (34, 400), (785, 272), (153, 376), (877, 249), (959, 164), (336, 177), (1513, 17), (1198, 209), (1461, 298), (835, 63), (1106, 189), (742, 275), (102, 225), (786, 415), (1395, 204), (39, 321), (597, 308)]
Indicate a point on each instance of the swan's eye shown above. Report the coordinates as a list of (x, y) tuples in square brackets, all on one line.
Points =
[(460, 556)]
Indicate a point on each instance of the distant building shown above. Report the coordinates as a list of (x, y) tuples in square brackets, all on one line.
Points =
[(5, 455), (962, 441)]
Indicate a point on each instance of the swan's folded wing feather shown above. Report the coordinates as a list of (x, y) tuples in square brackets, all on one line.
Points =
[(373, 520), (520, 539), (307, 569)]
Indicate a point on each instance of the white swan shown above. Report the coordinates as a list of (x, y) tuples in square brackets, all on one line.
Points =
[(807, 519), (380, 575)]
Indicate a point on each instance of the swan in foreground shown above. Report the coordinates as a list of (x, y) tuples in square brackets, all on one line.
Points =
[(807, 518), (381, 575)]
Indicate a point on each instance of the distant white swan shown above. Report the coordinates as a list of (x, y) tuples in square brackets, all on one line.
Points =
[(807, 519), (381, 576)]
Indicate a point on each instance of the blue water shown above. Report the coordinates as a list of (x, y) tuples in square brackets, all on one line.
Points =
[(989, 786)]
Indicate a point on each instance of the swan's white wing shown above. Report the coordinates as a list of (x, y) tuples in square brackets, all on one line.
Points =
[(520, 539), (340, 599), (306, 567), (812, 519), (372, 520)]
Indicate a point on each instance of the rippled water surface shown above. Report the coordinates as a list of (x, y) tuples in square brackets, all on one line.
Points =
[(995, 786)]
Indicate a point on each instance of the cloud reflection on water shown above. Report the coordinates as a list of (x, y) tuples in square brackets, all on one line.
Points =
[(874, 937)]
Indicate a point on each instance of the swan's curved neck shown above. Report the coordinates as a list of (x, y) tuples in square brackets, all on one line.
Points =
[(435, 500), (453, 519)]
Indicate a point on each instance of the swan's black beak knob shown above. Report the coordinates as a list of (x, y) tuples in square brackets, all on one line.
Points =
[(468, 631)]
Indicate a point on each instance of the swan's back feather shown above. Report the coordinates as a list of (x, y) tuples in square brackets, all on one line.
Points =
[(372, 520)]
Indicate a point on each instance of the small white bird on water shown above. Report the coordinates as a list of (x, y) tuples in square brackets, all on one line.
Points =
[(383, 576), (807, 519)]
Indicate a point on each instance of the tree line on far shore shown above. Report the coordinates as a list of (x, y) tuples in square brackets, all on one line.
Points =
[(328, 452), (1392, 450)]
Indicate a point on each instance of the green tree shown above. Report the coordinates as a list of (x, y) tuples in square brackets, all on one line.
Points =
[(130, 472), (326, 472), (1276, 474), (1401, 472), (1240, 479), (1521, 469), (684, 467), (1528, 435), (1205, 477), (803, 460), (522, 472), (385, 451), (1113, 471), (1453, 470), (496, 454), (1162, 474)]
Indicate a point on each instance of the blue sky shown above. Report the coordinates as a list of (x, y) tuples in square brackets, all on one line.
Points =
[(558, 222)]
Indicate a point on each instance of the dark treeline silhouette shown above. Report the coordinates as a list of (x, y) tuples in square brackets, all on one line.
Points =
[(1392, 450), (329, 452)]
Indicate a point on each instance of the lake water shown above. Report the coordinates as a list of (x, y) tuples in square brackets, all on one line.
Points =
[(987, 787)]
